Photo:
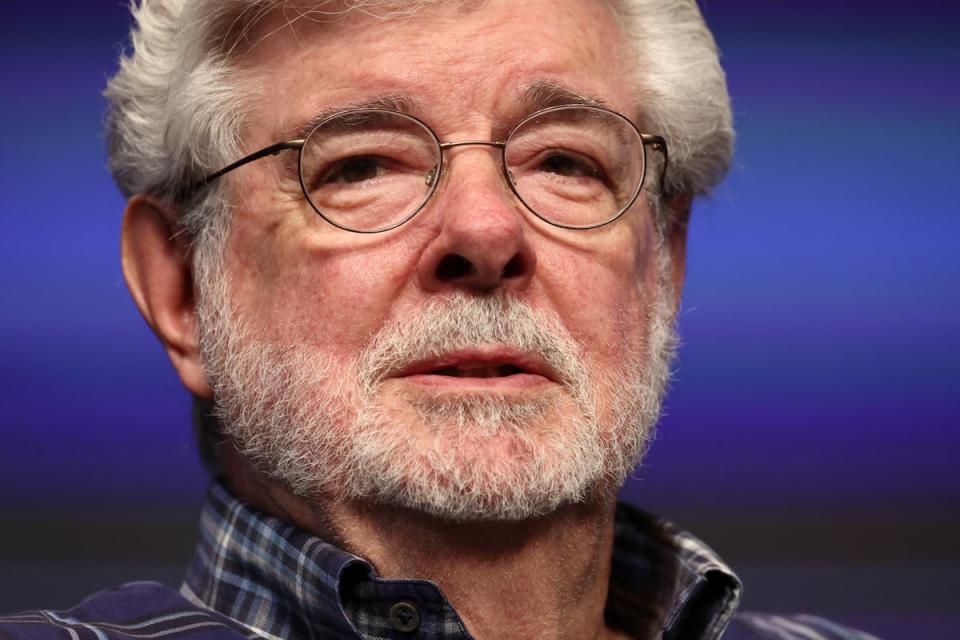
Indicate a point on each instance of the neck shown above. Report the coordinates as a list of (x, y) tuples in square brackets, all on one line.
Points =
[(540, 578)]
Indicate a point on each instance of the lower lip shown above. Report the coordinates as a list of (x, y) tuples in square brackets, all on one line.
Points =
[(501, 383)]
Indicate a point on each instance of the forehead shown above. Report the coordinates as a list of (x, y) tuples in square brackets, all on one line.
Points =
[(457, 61)]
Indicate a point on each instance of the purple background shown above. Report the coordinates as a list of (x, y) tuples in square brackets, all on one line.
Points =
[(818, 382)]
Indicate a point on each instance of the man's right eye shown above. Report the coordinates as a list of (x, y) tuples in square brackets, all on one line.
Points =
[(352, 170)]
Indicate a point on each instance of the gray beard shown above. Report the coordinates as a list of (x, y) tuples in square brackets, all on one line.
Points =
[(318, 425)]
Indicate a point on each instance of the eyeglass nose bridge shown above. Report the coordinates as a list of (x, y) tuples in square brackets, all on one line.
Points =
[(464, 143), (434, 174)]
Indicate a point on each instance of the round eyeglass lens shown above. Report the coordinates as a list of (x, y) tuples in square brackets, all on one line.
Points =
[(576, 167), (369, 170)]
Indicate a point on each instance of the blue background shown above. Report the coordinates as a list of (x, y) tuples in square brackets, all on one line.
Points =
[(813, 424)]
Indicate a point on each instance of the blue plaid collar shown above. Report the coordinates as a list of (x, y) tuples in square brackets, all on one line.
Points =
[(282, 582)]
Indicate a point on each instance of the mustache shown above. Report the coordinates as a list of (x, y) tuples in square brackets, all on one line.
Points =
[(461, 321)]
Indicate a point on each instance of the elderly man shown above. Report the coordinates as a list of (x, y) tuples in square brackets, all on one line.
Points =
[(419, 263)]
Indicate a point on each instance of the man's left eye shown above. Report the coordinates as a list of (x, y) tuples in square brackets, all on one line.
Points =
[(570, 166)]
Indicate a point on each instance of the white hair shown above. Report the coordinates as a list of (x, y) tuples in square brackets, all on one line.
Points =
[(321, 434), (177, 102)]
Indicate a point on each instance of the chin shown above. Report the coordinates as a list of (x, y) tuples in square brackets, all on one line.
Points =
[(479, 457)]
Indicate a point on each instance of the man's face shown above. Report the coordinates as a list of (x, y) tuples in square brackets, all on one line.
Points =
[(376, 366)]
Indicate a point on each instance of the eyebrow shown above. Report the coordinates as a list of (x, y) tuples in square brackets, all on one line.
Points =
[(539, 95), (545, 93), (395, 102)]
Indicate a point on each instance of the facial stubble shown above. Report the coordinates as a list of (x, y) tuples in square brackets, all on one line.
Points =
[(327, 428)]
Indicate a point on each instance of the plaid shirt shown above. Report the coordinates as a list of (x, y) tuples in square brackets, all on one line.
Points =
[(255, 576), (282, 582)]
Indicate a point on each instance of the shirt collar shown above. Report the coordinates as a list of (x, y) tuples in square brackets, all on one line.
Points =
[(282, 582), (663, 575)]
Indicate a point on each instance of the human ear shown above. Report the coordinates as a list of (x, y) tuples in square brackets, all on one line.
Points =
[(678, 210), (156, 267)]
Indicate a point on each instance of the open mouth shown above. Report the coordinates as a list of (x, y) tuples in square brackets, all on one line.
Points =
[(479, 370), (488, 363)]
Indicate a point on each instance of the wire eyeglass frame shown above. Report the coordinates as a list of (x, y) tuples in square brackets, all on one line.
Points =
[(655, 142)]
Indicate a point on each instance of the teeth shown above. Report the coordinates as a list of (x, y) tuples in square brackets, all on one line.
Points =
[(479, 371), (482, 371)]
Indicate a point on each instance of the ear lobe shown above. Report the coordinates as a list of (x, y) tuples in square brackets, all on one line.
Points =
[(156, 267), (678, 208)]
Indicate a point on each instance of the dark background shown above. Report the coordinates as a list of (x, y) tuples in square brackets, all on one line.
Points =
[(812, 432)]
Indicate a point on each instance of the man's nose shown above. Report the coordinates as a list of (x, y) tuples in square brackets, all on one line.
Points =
[(483, 242)]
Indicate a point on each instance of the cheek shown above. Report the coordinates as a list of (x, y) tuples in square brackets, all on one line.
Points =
[(302, 288), (606, 295)]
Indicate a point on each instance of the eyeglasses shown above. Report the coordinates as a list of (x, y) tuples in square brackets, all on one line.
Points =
[(371, 170)]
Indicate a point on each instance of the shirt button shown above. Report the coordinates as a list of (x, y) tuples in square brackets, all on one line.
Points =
[(404, 616)]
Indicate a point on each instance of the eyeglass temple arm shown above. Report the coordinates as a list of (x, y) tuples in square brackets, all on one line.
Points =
[(272, 150), (657, 143)]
